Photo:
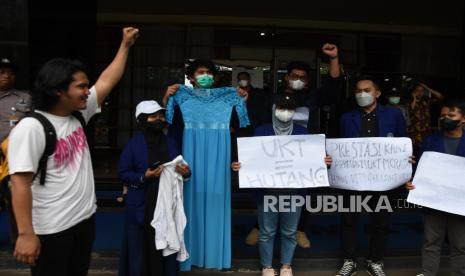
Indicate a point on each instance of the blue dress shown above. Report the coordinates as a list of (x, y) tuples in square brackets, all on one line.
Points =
[(207, 149)]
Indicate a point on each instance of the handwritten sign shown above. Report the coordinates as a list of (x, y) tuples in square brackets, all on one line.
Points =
[(439, 183), (369, 164), (288, 161)]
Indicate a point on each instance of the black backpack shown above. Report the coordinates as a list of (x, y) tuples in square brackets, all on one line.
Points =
[(50, 140)]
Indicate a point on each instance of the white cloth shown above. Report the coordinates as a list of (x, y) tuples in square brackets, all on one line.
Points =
[(68, 196), (169, 219), (301, 116)]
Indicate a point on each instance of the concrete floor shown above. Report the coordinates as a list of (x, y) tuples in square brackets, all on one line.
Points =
[(107, 266), (393, 272)]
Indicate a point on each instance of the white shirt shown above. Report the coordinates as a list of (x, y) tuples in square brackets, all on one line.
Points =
[(68, 196), (169, 219)]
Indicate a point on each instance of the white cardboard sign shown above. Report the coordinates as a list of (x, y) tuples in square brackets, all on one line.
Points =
[(369, 164), (287, 161), (440, 183)]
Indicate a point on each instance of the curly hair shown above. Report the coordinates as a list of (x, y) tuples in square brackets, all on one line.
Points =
[(54, 76), (196, 64)]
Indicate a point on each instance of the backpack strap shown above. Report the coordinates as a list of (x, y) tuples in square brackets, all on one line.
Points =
[(78, 115), (50, 143)]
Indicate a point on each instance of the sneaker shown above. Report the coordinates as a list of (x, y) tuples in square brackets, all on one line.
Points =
[(285, 271), (376, 268), (349, 268), (267, 272), (252, 237), (302, 239)]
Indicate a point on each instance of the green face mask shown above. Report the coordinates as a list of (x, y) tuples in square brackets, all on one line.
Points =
[(394, 100), (204, 80)]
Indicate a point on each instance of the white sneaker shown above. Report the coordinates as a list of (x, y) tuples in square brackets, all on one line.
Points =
[(285, 271), (267, 272)]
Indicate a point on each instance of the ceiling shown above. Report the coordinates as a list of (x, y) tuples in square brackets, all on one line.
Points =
[(448, 14)]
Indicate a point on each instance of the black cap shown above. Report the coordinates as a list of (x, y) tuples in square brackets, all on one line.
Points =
[(6, 62)]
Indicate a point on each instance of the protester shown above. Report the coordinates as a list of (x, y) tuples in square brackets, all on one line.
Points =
[(437, 224), (140, 166), (55, 211), (419, 110), (206, 146), (309, 102), (397, 99), (282, 124), (256, 107), (371, 119)]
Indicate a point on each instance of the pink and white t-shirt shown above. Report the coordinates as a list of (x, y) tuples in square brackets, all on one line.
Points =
[(68, 196)]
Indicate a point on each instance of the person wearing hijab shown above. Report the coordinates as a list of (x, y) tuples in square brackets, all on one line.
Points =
[(270, 223), (140, 167)]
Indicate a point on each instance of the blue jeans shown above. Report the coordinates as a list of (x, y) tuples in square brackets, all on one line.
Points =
[(268, 225)]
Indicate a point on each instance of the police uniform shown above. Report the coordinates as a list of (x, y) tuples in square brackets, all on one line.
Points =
[(13, 106)]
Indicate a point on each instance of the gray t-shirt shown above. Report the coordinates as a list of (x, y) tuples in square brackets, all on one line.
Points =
[(451, 145)]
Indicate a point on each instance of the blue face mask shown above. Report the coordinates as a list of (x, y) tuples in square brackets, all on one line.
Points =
[(205, 80)]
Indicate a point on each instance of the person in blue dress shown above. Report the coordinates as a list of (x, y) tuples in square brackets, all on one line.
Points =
[(206, 146), (140, 166), (286, 223)]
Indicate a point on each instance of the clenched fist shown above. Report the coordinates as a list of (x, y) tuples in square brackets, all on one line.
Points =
[(330, 50), (130, 36)]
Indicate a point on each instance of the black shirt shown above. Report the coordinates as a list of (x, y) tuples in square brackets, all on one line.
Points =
[(369, 124), (257, 110), (330, 93)]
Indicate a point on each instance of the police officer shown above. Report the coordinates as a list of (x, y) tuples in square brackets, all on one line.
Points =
[(13, 103)]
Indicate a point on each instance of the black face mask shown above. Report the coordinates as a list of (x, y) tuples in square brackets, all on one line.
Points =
[(156, 126), (449, 124)]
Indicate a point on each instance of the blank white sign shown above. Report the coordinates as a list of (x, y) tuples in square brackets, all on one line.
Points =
[(440, 183)]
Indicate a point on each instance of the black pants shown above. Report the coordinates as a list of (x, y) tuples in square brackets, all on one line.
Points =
[(378, 229), (156, 264), (66, 253), (438, 226)]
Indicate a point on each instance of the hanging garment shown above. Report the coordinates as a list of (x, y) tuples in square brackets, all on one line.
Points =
[(207, 148)]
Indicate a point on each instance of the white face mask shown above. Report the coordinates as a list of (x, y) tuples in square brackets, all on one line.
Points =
[(284, 115), (243, 83), (364, 99), (297, 84)]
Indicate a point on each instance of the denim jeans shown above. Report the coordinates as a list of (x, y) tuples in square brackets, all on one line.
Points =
[(268, 225)]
